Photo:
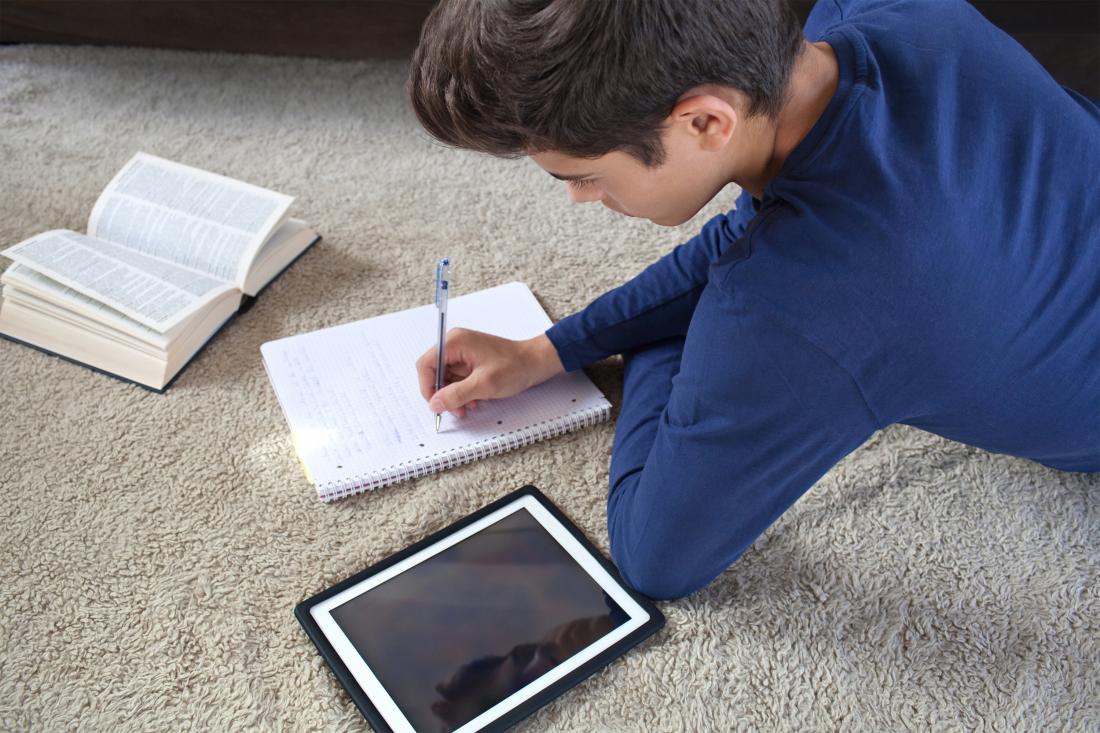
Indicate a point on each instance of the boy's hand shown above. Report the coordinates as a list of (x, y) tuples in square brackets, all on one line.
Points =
[(481, 366)]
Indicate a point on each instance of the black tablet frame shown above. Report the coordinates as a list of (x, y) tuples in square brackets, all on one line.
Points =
[(527, 707)]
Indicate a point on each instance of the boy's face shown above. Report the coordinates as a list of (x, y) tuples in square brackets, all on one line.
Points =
[(668, 194), (702, 155)]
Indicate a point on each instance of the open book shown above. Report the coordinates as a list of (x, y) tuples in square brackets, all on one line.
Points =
[(171, 254), (358, 422)]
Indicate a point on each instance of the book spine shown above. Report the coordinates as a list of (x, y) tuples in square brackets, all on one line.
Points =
[(466, 454)]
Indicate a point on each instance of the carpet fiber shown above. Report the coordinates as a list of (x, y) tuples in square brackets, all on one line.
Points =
[(155, 545)]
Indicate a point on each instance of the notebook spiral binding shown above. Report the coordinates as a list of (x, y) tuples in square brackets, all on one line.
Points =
[(436, 462)]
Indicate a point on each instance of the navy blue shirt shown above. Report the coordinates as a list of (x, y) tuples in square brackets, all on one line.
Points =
[(929, 254)]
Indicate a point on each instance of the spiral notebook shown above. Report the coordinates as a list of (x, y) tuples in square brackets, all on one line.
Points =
[(357, 419)]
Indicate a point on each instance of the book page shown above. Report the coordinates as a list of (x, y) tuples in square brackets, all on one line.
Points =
[(152, 291), (191, 217), (22, 279), (351, 395)]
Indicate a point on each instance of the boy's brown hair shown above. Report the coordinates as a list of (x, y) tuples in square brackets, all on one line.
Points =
[(587, 77)]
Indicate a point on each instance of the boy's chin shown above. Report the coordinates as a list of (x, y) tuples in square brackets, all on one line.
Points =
[(675, 218), (669, 221), (664, 219)]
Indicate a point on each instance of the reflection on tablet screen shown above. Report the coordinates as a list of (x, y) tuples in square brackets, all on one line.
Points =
[(456, 634)]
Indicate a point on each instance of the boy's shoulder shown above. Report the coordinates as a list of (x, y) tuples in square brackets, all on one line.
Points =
[(886, 14)]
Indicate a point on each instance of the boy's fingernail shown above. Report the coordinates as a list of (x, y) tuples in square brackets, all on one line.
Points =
[(436, 404)]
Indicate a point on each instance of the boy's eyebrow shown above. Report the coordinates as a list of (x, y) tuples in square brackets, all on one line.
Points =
[(574, 177)]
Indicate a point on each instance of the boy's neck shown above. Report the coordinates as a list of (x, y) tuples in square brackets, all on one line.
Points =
[(813, 83)]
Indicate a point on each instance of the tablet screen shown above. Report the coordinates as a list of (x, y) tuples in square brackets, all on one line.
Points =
[(464, 629)]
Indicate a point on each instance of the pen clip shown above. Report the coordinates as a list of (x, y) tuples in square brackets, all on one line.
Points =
[(442, 281)]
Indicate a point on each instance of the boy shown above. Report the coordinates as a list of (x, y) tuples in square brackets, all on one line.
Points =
[(917, 241)]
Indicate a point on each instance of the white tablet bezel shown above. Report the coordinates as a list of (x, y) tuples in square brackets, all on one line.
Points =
[(381, 699)]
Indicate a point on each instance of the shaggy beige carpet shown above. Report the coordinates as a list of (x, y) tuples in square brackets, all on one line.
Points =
[(155, 545)]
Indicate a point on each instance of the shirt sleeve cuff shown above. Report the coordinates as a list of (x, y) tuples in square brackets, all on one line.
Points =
[(565, 346)]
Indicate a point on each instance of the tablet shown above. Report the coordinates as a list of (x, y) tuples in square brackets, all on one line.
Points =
[(480, 624)]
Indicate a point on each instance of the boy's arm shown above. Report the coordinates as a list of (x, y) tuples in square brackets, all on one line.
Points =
[(655, 305), (755, 416)]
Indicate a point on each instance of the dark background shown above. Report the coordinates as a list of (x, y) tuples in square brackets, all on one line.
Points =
[(1064, 35)]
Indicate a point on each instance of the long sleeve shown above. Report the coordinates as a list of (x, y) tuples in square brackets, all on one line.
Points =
[(755, 415), (656, 304)]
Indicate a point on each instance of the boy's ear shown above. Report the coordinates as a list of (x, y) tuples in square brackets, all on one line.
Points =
[(708, 117)]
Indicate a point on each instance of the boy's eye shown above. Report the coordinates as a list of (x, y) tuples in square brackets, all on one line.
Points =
[(581, 183)]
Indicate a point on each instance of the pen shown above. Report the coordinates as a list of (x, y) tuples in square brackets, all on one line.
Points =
[(442, 286)]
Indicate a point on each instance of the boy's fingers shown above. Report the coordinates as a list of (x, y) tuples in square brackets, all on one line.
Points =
[(454, 396), (426, 359)]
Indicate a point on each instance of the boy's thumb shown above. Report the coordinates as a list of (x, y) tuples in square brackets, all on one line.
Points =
[(453, 396)]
